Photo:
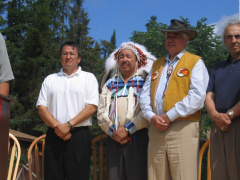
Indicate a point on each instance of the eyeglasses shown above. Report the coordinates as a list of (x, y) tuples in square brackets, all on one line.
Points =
[(229, 36), (66, 54)]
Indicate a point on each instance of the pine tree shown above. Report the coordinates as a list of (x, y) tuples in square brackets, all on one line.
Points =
[(33, 42), (113, 41), (2, 10), (34, 32), (108, 46), (78, 31)]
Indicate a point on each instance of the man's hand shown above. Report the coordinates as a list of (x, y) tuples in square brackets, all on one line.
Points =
[(166, 118), (160, 122), (62, 129), (124, 141), (67, 136), (222, 120), (120, 134)]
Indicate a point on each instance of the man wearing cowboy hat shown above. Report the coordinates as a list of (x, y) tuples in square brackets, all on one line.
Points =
[(119, 115), (172, 98)]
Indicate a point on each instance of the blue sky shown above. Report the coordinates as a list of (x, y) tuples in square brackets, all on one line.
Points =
[(125, 16)]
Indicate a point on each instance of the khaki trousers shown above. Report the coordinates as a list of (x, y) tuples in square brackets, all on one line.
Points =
[(173, 154)]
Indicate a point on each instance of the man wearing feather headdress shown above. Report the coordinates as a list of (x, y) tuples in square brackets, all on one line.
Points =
[(119, 115)]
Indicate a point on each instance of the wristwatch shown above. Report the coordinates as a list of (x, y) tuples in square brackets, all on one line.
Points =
[(70, 125), (230, 113), (127, 130)]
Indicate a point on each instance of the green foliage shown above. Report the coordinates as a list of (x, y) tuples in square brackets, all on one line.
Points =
[(113, 40), (205, 125), (2, 9), (95, 129), (34, 30), (207, 45), (78, 31), (23, 159), (107, 47), (153, 38)]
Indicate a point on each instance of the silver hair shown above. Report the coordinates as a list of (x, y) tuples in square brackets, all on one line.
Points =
[(230, 23), (185, 36)]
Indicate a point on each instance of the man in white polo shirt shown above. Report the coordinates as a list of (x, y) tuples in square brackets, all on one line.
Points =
[(66, 102)]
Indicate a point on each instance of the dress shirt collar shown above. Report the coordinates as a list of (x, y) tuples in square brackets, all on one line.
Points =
[(177, 57), (61, 73)]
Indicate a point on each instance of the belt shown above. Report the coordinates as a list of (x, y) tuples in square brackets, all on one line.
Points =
[(78, 128), (73, 129)]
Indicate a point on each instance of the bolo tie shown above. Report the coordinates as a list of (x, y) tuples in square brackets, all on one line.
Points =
[(169, 73)]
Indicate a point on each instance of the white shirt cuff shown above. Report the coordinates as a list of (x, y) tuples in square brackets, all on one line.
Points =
[(149, 115), (172, 114)]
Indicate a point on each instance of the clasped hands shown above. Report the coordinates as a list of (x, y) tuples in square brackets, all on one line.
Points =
[(222, 120), (120, 135), (63, 131), (160, 122)]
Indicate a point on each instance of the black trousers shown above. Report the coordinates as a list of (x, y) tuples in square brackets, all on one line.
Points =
[(128, 161), (67, 160)]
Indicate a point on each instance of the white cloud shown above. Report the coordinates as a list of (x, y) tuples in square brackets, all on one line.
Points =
[(220, 25)]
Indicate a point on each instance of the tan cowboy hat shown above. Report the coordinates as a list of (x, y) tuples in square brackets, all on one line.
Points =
[(179, 26)]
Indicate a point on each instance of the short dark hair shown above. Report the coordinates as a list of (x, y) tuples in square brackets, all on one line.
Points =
[(72, 44)]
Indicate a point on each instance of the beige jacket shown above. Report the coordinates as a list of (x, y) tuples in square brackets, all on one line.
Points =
[(138, 121)]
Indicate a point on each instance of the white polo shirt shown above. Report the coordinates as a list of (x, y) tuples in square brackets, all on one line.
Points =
[(65, 96), (6, 73)]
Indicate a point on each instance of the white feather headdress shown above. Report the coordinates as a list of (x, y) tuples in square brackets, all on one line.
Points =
[(111, 62), (145, 60)]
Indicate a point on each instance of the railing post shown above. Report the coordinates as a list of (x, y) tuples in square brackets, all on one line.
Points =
[(4, 133)]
